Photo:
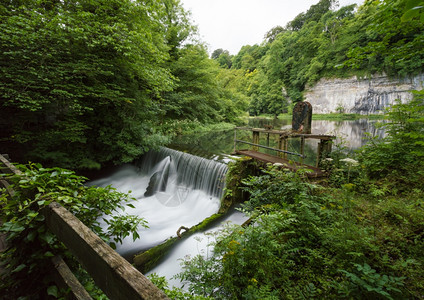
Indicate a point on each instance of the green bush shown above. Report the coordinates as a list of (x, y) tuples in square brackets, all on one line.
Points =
[(306, 241), (400, 155)]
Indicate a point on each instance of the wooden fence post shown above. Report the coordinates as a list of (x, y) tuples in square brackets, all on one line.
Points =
[(302, 148), (324, 147), (255, 140)]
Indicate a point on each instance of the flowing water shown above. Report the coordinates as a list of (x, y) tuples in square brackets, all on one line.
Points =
[(173, 188), (197, 244)]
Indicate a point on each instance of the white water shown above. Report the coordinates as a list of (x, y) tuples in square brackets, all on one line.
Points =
[(196, 244), (193, 190)]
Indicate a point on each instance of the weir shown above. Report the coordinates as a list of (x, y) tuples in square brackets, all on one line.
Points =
[(171, 189), (188, 170)]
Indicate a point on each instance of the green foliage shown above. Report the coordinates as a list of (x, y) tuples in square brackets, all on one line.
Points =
[(400, 155), (391, 46), (89, 83), (306, 241), (174, 293), (249, 57), (79, 78), (367, 283), (262, 193), (378, 37), (304, 54), (198, 95), (31, 244), (413, 8), (223, 58), (313, 14)]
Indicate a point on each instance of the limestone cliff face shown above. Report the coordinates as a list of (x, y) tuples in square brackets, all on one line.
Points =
[(361, 96)]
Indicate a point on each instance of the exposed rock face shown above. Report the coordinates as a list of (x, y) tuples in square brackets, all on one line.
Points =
[(361, 96)]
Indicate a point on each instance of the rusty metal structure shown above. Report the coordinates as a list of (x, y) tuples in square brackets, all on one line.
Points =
[(301, 129)]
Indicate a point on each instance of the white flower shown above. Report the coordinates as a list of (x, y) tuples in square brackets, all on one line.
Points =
[(350, 161), (329, 159)]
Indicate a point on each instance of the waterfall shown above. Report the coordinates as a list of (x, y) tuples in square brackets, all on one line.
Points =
[(171, 189), (192, 171)]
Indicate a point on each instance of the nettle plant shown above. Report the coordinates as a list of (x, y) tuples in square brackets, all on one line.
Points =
[(30, 244)]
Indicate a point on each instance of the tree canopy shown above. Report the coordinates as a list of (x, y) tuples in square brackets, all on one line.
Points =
[(85, 83), (92, 82), (326, 41)]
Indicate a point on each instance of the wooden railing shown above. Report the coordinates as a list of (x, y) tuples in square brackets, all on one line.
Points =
[(324, 145), (117, 278)]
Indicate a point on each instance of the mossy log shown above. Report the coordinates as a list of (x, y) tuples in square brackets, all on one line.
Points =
[(238, 170), (147, 260)]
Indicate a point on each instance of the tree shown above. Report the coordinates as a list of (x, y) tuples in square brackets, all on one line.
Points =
[(216, 53), (198, 94), (249, 57), (178, 28), (195, 95), (392, 46), (79, 78), (271, 35), (314, 13), (413, 8), (223, 58)]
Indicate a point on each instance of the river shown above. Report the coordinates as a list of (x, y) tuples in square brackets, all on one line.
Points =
[(351, 135), (182, 188)]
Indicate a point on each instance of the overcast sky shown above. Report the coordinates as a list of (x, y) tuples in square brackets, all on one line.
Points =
[(231, 24)]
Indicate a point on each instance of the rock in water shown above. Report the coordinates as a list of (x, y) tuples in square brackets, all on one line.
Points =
[(158, 181)]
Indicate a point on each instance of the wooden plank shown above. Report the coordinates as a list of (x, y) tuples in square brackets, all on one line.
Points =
[(293, 166), (257, 146), (9, 166), (117, 278), (64, 278)]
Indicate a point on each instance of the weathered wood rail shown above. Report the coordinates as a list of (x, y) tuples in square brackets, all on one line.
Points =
[(117, 278)]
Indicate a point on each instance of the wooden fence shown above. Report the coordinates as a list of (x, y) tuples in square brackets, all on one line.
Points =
[(117, 278)]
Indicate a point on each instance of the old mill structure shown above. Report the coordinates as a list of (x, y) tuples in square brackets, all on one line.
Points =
[(301, 129)]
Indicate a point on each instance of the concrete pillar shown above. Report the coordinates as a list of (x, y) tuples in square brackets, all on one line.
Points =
[(302, 117)]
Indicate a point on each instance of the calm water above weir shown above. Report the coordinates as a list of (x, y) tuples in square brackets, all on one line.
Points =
[(173, 188), (218, 145)]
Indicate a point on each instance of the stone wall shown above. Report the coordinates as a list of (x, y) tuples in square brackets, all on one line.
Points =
[(361, 96)]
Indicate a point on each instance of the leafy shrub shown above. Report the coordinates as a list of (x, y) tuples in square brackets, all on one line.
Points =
[(400, 155), (367, 283), (302, 235), (173, 293), (291, 188)]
